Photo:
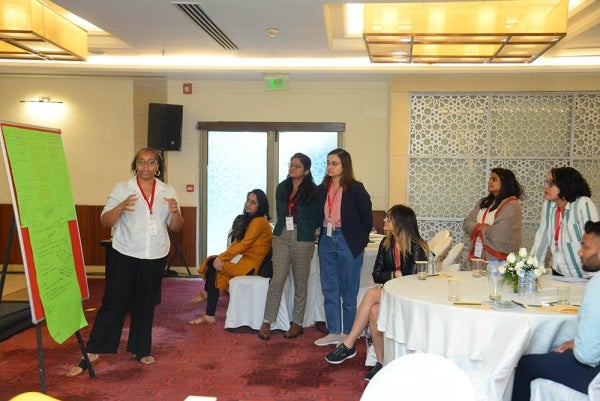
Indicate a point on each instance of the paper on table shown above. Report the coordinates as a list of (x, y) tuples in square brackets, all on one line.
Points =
[(505, 305)]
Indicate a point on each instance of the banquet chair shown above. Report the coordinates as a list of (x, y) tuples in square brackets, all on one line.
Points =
[(493, 380), (440, 235), (452, 255), (33, 396), (453, 268), (247, 300), (419, 376), (440, 250), (548, 390)]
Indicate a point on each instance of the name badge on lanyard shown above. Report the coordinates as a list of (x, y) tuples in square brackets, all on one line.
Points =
[(152, 227), (289, 223), (289, 219), (478, 251)]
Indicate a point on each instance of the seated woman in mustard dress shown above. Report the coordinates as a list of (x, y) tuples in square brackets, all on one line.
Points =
[(251, 242)]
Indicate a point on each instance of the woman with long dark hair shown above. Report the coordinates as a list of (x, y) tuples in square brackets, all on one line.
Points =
[(251, 239), (396, 257), (567, 207), (293, 243), (346, 219), (494, 224)]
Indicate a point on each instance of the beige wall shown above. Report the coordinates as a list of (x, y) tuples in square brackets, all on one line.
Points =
[(403, 86), (363, 106), (104, 120), (96, 119)]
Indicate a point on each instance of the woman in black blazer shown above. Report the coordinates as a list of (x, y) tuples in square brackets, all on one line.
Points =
[(346, 220)]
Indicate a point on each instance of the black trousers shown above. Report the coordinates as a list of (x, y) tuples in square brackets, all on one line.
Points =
[(131, 285), (212, 292)]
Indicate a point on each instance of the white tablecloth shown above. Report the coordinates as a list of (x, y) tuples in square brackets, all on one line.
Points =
[(315, 310), (248, 296), (417, 316)]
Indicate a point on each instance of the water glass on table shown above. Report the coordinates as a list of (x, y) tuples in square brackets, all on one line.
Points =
[(495, 286), (453, 289), (477, 267), (421, 270), (563, 295)]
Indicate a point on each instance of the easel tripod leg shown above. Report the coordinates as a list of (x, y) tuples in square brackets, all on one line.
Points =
[(85, 355)]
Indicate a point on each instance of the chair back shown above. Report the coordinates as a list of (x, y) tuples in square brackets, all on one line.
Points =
[(501, 357), (419, 376), (452, 255), (594, 388), (548, 390)]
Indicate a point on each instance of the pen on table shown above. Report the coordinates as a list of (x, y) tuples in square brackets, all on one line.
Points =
[(517, 303)]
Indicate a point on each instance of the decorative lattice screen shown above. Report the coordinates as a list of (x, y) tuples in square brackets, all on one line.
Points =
[(455, 139)]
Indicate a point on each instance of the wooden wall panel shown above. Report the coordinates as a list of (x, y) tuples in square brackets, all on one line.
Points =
[(92, 233)]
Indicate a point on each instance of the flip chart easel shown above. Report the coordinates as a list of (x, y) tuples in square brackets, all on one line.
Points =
[(46, 223)]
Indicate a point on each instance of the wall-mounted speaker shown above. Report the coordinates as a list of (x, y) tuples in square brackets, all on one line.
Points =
[(164, 126)]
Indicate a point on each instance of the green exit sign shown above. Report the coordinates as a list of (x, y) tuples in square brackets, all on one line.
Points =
[(277, 83)]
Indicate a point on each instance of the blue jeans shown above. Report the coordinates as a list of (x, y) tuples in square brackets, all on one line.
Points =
[(340, 279)]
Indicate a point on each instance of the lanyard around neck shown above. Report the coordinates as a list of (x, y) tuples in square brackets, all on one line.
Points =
[(557, 227), (330, 200), (150, 199)]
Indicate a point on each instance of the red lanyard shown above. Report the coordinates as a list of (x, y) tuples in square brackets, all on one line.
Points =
[(149, 200), (292, 203), (397, 260), (330, 201), (557, 227)]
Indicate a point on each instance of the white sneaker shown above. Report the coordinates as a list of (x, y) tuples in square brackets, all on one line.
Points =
[(329, 339)]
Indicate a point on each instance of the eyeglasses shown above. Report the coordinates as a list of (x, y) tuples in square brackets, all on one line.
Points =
[(334, 164), (149, 163), (548, 182), (295, 166)]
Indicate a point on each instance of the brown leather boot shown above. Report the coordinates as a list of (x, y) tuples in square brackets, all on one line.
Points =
[(294, 331), (265, 331)]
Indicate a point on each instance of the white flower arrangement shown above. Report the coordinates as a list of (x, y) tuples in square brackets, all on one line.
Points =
[(518, 265)]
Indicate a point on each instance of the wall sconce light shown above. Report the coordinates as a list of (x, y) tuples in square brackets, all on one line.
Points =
[(42, 99)]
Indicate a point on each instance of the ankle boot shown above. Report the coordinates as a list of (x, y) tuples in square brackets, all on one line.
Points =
[(265, 331), (294, 331)]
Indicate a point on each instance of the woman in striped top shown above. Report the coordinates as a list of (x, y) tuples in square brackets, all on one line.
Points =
[(566, 209)]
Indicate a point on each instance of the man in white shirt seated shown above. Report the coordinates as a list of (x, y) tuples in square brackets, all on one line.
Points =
[(576, 362)]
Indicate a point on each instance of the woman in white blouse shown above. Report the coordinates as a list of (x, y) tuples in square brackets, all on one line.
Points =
[(566, 209)]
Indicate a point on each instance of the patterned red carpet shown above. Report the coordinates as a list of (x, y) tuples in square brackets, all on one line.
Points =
[(191, 360)]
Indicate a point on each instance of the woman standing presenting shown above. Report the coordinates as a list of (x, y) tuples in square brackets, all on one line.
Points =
[(494, 224), (293, 243), (567, 207), (346, 219), (396, 257), (251, 239), (140, 210)]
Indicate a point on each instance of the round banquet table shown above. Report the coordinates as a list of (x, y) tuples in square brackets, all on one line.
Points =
[(416, 316)]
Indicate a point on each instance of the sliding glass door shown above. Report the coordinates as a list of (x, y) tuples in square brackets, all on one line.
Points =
[(237, 161)]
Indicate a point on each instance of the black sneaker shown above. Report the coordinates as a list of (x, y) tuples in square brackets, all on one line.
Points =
[(373, 371), (340, 354)]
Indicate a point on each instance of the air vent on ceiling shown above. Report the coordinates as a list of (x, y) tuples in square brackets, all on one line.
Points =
[(197, 14)]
